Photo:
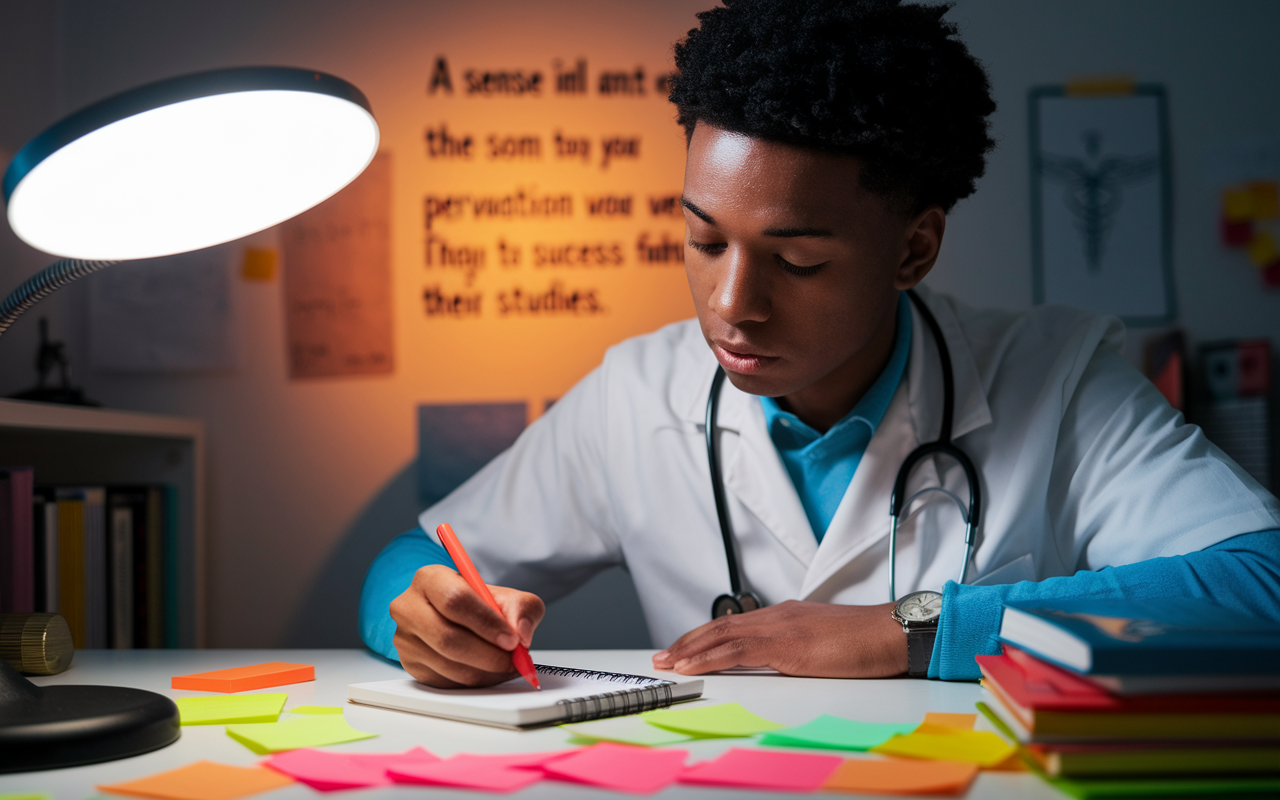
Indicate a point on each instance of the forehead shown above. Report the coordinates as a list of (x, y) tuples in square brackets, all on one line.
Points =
[(734, 173)]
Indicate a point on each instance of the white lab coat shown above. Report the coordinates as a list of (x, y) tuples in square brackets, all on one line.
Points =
[(1083, 464)]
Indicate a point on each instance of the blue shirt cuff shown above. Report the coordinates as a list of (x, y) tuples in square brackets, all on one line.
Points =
[(391, 573)]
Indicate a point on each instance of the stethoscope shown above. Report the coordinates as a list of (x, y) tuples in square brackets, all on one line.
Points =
[(739, 601)]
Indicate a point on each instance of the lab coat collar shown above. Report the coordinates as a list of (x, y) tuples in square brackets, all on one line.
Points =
[(758, 479)]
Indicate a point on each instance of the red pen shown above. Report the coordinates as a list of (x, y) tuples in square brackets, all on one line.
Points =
[(520, 656)]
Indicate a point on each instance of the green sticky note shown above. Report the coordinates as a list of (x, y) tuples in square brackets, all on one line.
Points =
[(316, 710), (24, 797), (726, 719), (837, 733), (627, 730), (306, 731), (231, 708)]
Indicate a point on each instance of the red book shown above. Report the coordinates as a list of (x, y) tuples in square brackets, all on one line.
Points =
[(17, 541)]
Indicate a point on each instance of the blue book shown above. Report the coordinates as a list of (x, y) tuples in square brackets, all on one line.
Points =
[(1177, 636)]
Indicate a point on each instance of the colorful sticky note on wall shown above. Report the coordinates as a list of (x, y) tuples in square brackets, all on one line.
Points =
[(1236, 233), (259, 264), (1266, 199), (223, 710), (242, 679), (203, 780), (306, 731), (1237, 204), (1263, 251)]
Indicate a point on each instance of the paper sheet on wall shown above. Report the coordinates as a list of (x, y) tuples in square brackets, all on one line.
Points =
[(170, 314), (337, 281)]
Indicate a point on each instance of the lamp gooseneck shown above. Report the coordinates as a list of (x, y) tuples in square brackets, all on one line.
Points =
[(42, 284)]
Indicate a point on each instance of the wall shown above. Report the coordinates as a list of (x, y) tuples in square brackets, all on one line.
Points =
[(309, 478)]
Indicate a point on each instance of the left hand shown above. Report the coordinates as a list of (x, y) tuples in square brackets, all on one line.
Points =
[(816, 640)]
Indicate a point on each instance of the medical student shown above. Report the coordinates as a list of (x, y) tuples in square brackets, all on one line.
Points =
[(827, 141)]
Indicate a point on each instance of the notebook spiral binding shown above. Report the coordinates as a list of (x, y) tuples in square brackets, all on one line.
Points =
[(654, 693)]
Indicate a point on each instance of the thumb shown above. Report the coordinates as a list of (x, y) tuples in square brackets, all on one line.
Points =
[(523, 612)]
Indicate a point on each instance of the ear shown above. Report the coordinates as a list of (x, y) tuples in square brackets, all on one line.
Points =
[(920, 247)]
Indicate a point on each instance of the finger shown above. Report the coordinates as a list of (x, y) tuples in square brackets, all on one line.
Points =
[(524, 611), (702, 638), (415, 615), (741, 652), (456, 601), (434, 669)]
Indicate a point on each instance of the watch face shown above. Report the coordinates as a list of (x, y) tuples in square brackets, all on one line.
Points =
[(920, 607)]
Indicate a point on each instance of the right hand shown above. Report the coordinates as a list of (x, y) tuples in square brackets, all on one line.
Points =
[(449, 638)]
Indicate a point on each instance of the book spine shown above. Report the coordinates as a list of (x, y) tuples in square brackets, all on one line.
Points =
[(172, 588), (121, 577), (155, 567), (51, 592), (97, 610), (71, 566), (17, 552)]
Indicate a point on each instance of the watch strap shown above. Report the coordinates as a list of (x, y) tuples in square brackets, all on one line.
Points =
[(920, 651)]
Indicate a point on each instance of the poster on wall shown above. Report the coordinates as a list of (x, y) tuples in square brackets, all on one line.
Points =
[(337, 281), (1100, 197)]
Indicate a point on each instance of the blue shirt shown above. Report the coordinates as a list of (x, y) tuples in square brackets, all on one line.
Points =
[(821, 465)]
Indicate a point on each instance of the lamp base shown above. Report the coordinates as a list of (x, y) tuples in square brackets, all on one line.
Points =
[(66, 726), (67, 395)]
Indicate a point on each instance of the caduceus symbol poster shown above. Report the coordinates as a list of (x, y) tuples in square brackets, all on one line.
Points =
[(1100, 202)]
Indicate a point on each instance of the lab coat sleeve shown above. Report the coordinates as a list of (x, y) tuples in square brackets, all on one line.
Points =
[(1131, 480), (1241, 574), (539, 517)]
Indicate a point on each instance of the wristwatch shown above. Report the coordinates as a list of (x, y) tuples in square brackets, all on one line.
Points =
[(919, 612)]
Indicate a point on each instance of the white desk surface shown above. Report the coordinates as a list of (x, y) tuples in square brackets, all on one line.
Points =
[(790, 701)]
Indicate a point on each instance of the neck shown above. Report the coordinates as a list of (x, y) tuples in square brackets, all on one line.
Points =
[(828, 400)]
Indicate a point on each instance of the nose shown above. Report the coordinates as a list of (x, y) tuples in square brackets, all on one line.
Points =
[(741, 292)]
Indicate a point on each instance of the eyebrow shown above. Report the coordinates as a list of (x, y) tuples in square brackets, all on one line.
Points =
[(781, 233)]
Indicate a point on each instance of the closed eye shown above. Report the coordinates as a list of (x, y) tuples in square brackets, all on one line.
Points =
[(796, 269)]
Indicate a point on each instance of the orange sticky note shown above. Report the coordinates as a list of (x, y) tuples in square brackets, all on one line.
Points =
[(893, 776), (203, 780), (242, 679), (962, 721)]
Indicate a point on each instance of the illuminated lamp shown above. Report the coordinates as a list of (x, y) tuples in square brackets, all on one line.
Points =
[(170, 167)]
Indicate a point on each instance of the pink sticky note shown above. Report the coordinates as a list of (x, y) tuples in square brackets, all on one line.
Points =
[(764, 769), (327, 771), (621, 767), (505, 773)]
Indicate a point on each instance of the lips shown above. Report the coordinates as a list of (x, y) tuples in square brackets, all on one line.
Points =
[(738, 358)]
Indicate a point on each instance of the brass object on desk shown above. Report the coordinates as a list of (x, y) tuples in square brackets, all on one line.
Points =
[(37, 644)]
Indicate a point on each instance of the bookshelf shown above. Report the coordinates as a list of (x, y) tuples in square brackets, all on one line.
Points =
[(93, 446)]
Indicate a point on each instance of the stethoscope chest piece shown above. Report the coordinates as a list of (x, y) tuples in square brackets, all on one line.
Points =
[(739, 603)]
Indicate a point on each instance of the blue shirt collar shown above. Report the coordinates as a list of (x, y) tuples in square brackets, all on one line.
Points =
[(790, 433)]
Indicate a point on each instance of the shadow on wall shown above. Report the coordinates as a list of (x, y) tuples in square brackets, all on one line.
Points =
[(603, 613)]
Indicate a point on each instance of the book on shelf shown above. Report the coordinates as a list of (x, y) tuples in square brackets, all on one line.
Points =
[(17, 545), (1176, 636), (104, 557)]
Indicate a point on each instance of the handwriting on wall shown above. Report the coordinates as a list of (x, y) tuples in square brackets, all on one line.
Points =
[(531, 213)]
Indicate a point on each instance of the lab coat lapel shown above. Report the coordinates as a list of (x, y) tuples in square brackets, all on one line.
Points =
[(756, 476), (914, 416)]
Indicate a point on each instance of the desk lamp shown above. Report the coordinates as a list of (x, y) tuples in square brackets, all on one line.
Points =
[(170, 167)]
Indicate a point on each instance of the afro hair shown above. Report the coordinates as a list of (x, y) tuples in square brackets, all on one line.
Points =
[(887, 82)]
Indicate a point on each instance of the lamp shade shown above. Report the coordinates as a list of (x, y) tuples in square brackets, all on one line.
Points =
[(188, 163)]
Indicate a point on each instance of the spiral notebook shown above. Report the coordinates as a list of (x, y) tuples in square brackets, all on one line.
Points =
[(568, 695)]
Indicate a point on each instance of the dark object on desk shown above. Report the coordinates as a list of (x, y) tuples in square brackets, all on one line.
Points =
[(37, 644), (50, 355), (66, 726)]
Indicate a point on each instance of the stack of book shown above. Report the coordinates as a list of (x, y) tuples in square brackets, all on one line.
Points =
[(1109, 699), (101, 556)]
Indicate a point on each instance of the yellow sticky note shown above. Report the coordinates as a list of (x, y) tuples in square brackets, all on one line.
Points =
[(1263, 251), (625, 730), (305, 731), (231, 708), (1237, 204), (726, 719), (203, 780), (962, 721), (939, 743), (259, 264), (1266, 199), (316, 710)]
